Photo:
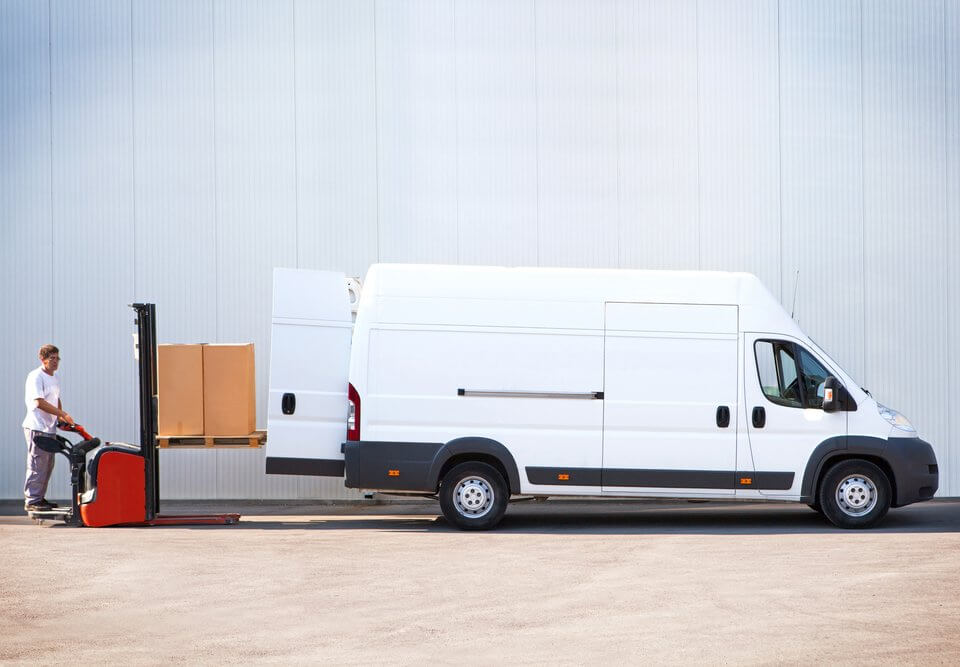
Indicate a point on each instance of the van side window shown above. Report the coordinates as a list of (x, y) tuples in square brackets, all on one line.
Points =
[(814, 377), (777, 370)]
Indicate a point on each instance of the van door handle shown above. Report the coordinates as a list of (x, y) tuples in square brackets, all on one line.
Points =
[(723, 416), (288, 404), (759, 417)]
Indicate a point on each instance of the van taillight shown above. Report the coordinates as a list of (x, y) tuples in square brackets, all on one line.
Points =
[(353, 417)]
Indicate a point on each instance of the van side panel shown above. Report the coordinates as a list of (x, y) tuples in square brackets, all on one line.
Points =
[(670, 372), (423, 387)]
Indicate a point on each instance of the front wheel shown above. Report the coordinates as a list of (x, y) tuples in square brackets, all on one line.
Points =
[(473, 496), (855, 494)]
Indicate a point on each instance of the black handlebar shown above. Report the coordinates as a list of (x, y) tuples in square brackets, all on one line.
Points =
[(52, 443), (57, 444)]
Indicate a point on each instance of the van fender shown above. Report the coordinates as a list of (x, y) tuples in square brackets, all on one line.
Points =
[(831, 448), (475, 445), (910, 462)]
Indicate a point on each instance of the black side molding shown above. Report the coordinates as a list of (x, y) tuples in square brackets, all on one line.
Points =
[(670, 479), (663, 479), (765, 480), (564, 476)]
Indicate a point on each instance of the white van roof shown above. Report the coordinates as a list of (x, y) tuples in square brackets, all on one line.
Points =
[(759, 309)]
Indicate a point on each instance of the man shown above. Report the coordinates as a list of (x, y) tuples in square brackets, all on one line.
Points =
[(42, 396)]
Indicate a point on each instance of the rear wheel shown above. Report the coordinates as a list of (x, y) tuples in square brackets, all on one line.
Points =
[(473, 496), (855, 494)]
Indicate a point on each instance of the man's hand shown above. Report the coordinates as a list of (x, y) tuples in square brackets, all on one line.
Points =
[(65, 417)]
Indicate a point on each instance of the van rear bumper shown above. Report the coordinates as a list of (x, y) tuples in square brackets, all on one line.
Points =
[(915, 470), (390, 466), (281, 465)]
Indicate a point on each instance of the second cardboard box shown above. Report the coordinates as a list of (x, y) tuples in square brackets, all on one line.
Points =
[(229, 380)]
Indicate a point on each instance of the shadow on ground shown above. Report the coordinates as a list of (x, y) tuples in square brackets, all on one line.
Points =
[(623, 519), (595, 517), (560, 517)]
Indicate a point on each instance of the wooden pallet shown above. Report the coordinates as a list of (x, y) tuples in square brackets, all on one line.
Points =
[(255, 439)]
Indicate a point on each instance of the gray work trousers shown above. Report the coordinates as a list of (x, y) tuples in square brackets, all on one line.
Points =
[(39, 469)]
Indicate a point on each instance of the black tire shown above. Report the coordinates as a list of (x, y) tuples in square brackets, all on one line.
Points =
[(474, 496), (865, 498)]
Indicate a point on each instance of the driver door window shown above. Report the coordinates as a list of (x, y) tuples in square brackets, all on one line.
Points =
[(785, 381), (777, 371)]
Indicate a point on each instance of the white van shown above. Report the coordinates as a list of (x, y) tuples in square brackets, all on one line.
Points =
[(478, 384)]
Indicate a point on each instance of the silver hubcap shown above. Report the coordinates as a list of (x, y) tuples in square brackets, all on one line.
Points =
[(856, 495), (473, 497)]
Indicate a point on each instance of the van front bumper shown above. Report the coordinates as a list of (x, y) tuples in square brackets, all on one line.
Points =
[(915, 470)]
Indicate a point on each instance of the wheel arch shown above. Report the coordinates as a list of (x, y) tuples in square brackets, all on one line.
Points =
[(878, 461), (484, 450), (844, 448)]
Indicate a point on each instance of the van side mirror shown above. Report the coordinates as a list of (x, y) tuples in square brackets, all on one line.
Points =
[(836, 397)]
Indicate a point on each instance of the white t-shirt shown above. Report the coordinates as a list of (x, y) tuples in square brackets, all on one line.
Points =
[(47, 387)]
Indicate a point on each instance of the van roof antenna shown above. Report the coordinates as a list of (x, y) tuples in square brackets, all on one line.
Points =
[(796, 284)]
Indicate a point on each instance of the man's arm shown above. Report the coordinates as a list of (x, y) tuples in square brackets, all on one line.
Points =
[(50, 409)]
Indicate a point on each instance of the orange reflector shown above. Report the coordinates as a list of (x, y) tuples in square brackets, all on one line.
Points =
[(393, 473), (828, 395), (746, 481), (563, 477)]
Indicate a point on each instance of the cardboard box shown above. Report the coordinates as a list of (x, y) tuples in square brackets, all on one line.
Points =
[(229, 386), (180, 389)]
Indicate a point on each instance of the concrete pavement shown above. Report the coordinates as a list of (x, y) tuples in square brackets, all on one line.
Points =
[(559, 582)]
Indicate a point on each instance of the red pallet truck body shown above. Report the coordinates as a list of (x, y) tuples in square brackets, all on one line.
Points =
[(115, 483)]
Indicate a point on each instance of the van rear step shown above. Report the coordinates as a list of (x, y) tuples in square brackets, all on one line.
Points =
[(255, 439)]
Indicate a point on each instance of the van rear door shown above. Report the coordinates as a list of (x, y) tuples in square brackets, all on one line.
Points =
[(309, 362)]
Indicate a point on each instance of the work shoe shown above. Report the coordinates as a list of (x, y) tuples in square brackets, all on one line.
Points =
[(36, 507), (44, 501)]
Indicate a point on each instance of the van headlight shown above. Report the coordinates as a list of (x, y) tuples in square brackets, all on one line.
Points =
[(896, 419)]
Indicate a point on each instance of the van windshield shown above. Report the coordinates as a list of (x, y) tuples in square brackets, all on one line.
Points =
[(832, 364), (814, 379)]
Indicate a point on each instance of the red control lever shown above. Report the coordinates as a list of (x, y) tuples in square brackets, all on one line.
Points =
[(76, 428)]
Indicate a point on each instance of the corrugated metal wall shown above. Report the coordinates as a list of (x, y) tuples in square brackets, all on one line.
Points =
[(176, 151)]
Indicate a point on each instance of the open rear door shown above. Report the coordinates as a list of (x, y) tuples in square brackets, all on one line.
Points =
[(309, 362)]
